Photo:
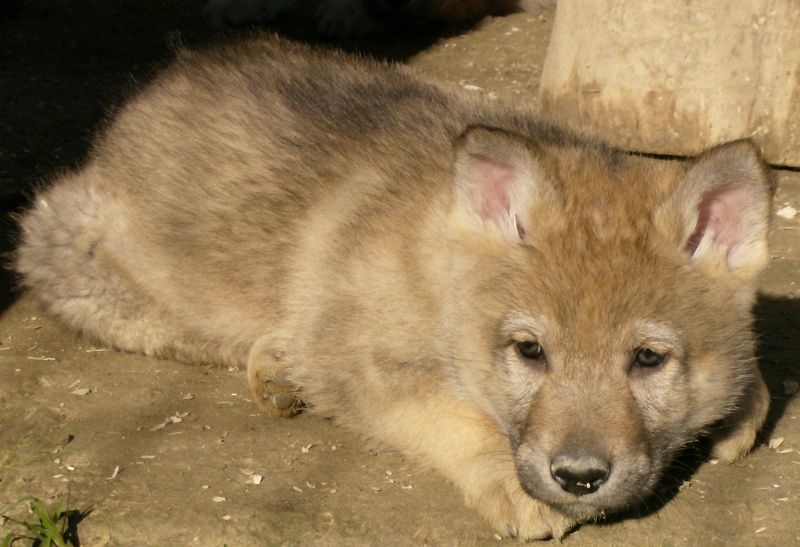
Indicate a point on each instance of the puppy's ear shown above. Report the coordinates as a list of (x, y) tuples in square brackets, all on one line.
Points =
[(723, 204), (498, 178)]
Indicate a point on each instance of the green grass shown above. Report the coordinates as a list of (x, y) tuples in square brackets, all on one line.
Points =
[(44, 527)]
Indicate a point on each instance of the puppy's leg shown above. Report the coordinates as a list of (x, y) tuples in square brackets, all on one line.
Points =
[(268, 377), (72, 240), (466, 446), (734, 439)]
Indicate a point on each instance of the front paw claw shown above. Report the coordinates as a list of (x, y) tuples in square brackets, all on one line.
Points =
[(286, 404), (511, 530)]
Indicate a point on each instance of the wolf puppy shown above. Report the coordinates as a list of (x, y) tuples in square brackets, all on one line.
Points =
[(542, 319)]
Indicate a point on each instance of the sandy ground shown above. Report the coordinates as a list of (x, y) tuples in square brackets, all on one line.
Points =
[(160, 453)]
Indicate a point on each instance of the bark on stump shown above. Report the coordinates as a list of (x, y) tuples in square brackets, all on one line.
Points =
[(677, 77)]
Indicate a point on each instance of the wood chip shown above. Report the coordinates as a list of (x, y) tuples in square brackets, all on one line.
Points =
[(162, 425), (174, 419)]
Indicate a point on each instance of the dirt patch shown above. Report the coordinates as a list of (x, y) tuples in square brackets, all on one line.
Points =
[(168, 454)]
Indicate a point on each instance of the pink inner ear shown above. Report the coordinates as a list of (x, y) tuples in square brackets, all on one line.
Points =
[(493, 183), (723, 212)]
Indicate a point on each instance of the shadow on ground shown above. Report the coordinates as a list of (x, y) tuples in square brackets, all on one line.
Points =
[(778, 330)]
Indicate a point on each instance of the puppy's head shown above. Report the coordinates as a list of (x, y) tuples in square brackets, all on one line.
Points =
[(600, 309)]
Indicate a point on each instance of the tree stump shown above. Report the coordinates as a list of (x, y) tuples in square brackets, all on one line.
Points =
[(677, 77)]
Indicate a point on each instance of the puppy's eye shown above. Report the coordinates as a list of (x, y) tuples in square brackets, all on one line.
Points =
[(530, 350), (648, 358)]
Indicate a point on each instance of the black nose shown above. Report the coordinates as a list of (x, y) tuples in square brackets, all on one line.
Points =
[(580, 474)]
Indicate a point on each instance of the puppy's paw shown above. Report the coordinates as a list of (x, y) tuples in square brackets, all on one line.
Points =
[(268, 376), (735, 444), (512, 512), (736, 437)]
